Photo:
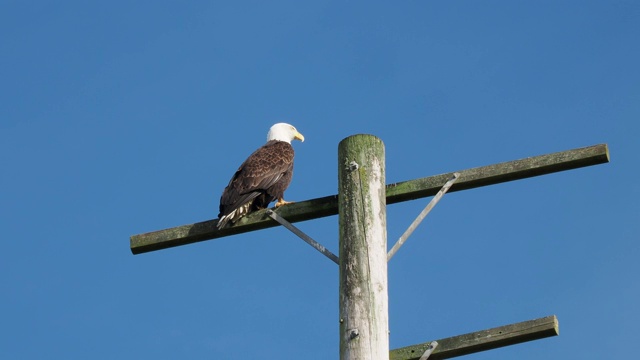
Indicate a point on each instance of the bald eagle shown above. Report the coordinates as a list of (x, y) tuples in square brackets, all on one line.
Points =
[(262, 178)]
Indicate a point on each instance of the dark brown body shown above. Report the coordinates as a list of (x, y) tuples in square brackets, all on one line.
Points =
[(261, 179)]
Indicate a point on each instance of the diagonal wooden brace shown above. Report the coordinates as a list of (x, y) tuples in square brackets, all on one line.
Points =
[(316, 245), (422, 215)]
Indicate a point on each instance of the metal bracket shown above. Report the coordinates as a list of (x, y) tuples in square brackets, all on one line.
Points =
[(422, 215), (432, 346), (316, 245)]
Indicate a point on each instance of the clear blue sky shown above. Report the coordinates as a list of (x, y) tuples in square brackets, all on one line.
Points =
[(120, 117)]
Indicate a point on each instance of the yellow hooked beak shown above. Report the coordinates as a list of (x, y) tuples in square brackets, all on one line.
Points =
[(298, 136)]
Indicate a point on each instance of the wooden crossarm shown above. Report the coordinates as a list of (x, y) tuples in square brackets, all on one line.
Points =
[(398, 192), (482, 340)]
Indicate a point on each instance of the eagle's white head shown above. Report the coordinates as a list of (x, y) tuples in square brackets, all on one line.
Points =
[(284, 132)]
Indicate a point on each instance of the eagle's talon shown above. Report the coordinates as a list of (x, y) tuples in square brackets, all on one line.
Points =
[(283, 202)]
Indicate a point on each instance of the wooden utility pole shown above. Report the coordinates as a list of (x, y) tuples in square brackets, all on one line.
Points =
[(364, 310), (361, 204)]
